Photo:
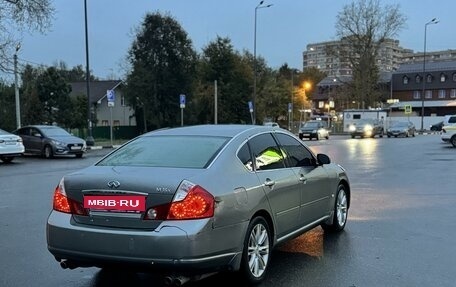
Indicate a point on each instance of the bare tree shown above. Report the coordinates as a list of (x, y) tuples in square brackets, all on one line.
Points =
[(363, 26), (17, 16)]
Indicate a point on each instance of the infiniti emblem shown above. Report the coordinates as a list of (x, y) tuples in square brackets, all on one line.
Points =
[(113, 184)]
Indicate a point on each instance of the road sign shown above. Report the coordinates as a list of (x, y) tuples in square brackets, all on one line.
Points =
[(290, 107), (182, 101), (251, 106), (407, 109), (111, 96)]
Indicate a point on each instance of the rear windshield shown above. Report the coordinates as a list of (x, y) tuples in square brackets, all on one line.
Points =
[(167, 151)]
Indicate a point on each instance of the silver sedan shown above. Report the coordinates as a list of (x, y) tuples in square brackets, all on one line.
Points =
[(196, 200)]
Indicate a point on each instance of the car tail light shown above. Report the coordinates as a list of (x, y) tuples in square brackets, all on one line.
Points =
[(64, 204), (191, 201)]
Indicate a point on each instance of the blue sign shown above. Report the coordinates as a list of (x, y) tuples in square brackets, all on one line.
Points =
[(251, 106), (111, 96), (182, 101)]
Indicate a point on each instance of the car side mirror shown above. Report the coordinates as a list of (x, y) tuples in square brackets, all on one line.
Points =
[(323, 159)]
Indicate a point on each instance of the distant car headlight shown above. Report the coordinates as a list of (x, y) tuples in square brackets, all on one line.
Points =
[(352, 128), (368, 128), (389, 130)]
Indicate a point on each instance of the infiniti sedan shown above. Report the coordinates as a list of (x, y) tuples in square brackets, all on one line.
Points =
[(49, 141), (10, 146), (196, 200)]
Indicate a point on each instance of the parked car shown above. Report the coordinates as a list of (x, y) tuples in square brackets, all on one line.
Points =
[(314, 129), (398, 129), (449, 134), (366, 128), (10, 146), (437, 127), (195, 200), (50, 141)]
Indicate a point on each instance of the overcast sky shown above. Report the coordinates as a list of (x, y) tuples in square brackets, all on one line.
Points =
[(283, 30)]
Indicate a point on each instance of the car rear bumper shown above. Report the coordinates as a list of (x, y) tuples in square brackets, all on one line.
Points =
[(191, 246)]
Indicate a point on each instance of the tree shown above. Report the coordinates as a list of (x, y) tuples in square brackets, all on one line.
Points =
[(17, 15), (53, 93), (7, 107), (162, 63), (220, 62), (363, 26)]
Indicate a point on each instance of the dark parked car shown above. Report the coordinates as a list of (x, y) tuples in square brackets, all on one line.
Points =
[(191, 201), (366, 128), (401, 129), (437, 127), (314, 129), (49, 141)]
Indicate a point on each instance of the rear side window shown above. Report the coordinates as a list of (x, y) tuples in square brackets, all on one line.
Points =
[(266, 152), (167, 151), (296, 153), (452, 120)]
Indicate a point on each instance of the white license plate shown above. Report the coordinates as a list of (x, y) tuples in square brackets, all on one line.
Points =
[(306, 135), (10, 143), (75, 148)]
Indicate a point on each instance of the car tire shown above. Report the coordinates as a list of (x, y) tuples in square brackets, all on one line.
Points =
[(47, 152), (353, 136), (6, 159), (340, 211), (317, 137), (257, 251), (453, 140)]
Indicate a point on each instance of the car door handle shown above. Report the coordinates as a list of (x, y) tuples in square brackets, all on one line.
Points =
[(269, 182)]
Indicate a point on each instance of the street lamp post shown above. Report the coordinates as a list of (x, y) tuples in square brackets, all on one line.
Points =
[(90, 140), (259, 6), (16, 89), (433, 21)]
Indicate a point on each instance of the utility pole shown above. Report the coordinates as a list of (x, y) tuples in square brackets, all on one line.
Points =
[(16, 89)]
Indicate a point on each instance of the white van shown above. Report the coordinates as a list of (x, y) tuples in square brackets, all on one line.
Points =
[(449, 120)]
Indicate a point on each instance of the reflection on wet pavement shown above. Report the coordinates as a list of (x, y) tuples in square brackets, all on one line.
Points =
[(310, 243)]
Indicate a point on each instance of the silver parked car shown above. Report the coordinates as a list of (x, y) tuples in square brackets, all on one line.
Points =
[(10, 146), (196, 200)]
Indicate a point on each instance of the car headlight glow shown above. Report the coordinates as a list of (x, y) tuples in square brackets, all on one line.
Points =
[(352, 128), (314, 131), (368, 128)]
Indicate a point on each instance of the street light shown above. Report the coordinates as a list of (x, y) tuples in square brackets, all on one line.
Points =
[(90, 140), (433, 21), (259, 6), (16, 89), (306, 86)]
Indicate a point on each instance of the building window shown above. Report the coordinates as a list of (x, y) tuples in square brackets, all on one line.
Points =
[(104, 123), (454, 77), (442, 78), (442, 94), (405, 80), (122, 101), (429, 78), (453, 93), (428, 94), (416, 95), (417, 79), (116, 123)]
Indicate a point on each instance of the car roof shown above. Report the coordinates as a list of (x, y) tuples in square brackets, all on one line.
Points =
[(225, 130)]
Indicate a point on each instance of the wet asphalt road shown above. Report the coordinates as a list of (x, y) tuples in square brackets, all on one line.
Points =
[(400, 232)]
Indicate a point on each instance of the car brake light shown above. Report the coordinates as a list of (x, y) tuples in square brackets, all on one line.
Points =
[(64, 204), (191, 201)]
